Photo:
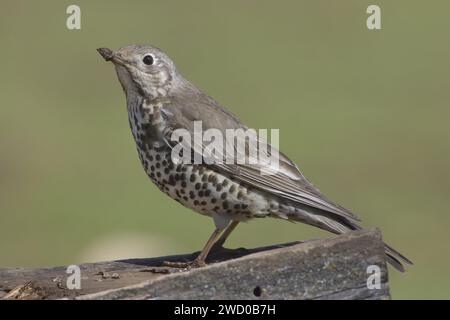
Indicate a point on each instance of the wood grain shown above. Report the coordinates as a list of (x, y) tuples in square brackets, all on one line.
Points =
[(334, 268)]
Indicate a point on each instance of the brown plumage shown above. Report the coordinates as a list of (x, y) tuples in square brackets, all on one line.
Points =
[(160, 101)]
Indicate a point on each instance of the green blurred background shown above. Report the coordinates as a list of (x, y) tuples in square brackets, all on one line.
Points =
[(365, 114)]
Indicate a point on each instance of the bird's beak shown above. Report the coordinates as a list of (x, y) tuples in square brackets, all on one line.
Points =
[(110, 55), (106, 53)]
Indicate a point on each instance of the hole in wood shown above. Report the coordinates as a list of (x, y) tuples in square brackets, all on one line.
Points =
[(257, 291)]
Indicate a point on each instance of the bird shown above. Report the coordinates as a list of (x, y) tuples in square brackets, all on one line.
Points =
[(160, 102)]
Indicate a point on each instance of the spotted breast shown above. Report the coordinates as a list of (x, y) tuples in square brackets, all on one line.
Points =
[(193, 185)]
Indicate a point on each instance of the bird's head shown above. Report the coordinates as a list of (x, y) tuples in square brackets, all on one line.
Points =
[(142, 69)]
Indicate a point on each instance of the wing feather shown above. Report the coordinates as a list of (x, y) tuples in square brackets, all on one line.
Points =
[(287, 182)]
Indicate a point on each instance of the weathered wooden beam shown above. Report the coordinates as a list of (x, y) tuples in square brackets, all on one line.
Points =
[(334, 268)]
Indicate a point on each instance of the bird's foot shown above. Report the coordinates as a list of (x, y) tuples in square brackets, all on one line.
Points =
[(197, 263)]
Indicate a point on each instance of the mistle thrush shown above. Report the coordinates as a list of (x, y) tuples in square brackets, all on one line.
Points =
[(159, 101)]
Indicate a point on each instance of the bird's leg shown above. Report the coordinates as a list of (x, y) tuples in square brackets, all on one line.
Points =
[(200, 260), (219, 251), (219, 243)]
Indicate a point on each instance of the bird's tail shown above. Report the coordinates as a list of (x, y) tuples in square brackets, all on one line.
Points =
[(340, 225), (395, 258)]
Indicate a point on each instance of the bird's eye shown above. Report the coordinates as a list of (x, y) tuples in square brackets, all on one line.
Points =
[(148, 60)]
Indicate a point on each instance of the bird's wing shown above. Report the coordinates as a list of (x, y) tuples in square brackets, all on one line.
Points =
[(285, 180)]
